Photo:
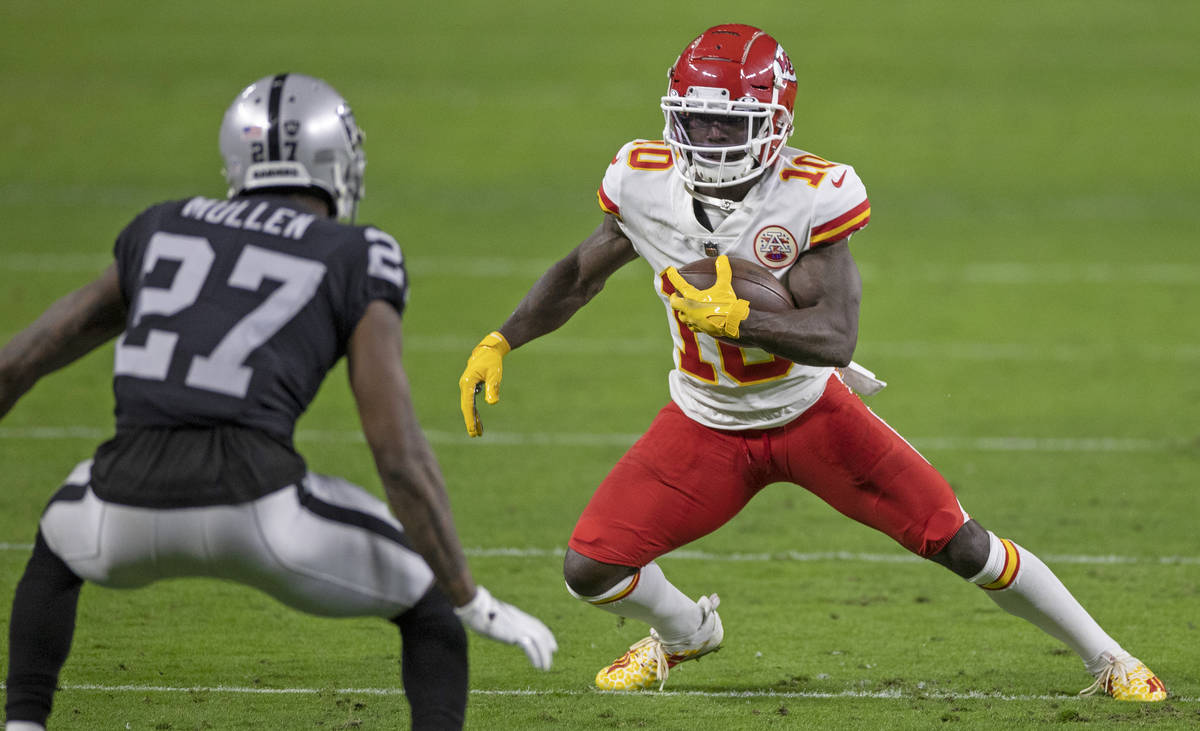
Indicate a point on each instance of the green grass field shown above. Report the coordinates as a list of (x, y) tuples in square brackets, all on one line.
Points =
[(1032, 284)]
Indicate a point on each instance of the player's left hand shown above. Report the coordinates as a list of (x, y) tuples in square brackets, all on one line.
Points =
[(716, 311)]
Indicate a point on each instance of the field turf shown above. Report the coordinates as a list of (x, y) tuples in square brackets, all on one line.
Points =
[(1032, 284)]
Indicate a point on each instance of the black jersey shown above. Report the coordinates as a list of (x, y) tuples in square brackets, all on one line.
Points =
[(238, 308)]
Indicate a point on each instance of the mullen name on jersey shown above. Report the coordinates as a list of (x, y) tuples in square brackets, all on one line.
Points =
[(285, 222)]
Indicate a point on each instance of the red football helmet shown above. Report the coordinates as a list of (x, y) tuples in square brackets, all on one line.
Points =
[(728, 106)]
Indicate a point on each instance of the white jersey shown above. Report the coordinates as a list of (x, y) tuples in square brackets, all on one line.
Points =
[(802, 202)]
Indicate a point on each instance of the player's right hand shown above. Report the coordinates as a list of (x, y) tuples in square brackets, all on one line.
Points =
[(503, 622), (716, 311), (484, 368)]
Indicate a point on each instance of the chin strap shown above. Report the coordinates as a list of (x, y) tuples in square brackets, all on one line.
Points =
[(723, 203)]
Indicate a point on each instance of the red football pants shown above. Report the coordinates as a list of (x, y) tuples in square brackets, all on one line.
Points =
[(682, 480)]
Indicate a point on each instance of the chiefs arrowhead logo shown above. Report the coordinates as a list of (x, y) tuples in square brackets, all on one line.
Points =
[(775, 247)]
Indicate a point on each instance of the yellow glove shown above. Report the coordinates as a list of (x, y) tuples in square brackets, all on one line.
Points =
[(715, 311), (484, 369)]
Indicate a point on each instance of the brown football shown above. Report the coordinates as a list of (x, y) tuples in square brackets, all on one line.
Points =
[(751, 282)]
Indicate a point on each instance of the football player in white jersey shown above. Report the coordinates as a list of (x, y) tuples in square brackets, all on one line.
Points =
[(775, 407), (230, 314)]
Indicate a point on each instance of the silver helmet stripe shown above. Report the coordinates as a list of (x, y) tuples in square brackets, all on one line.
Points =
[(293, 130), (273, 118)]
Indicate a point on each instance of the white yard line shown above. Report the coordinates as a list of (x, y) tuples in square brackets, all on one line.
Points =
[(862, 694), (600, 439), (1000, 273), (871, 352), (556, 553), (813, 557)]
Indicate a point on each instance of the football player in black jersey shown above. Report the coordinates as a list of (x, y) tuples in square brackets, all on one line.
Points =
[(229, 315)]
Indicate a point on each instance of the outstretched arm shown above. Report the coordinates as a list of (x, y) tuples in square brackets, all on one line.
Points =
[(558, 294), (407, 467), (416, 491), (824, 329), (71, 328), (569, 284)]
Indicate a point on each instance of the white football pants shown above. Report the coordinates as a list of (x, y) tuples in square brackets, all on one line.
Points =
[(326, 546)]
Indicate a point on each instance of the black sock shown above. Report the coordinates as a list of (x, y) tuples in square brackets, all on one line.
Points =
[(433, 661), (39, 633)]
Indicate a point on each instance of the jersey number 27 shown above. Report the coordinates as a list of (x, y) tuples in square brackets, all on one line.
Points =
[(222, 370)]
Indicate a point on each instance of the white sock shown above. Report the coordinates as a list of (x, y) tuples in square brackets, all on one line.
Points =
[(1023, 586), (23, 726), (649, 597)]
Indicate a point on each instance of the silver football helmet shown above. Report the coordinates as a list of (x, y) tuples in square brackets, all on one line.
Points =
[(292, 130)]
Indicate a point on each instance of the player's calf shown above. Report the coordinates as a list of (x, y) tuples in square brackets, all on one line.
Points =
[(39, 634), (433, 661), (1019, 583)]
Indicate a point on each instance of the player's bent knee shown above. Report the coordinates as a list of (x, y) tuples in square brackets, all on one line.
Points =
[(967, 552), (587, 578), (433, 616)]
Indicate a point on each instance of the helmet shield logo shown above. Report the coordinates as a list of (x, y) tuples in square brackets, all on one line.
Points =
[(784, 71)]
